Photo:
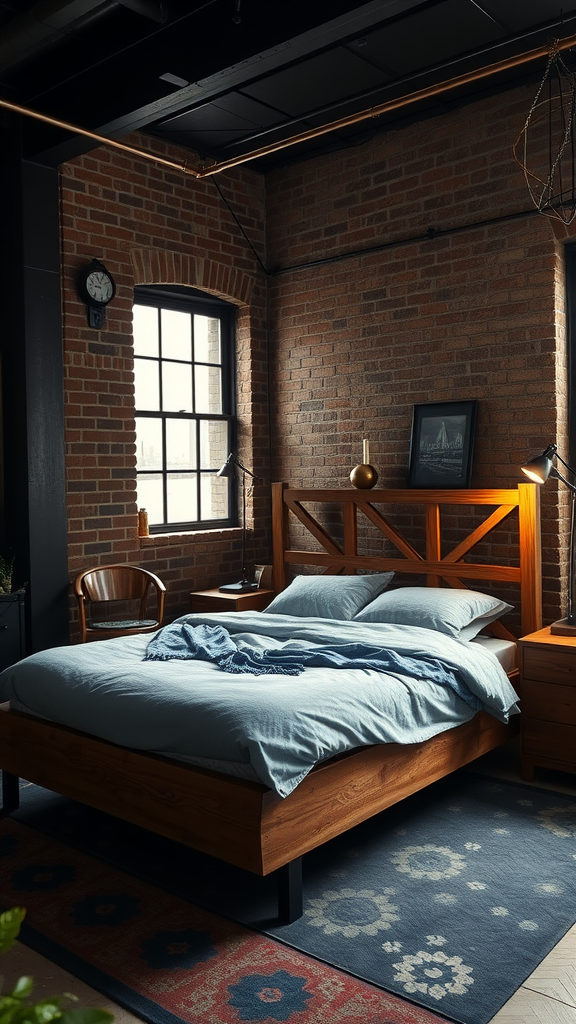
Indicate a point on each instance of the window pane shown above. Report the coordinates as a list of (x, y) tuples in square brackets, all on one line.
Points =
[(213, 443), (214, 496), (148, 443), (208, 387), (146, 385), (176, 335), (182, 497), (206, 339), (176, 387), (145, 329), (180, 444), (149, 491)]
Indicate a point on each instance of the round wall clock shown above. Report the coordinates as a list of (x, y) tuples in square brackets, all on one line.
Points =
[(96, 288)]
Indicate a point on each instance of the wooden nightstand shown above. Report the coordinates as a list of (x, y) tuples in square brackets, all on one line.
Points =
[(214, 601), (548, 702)]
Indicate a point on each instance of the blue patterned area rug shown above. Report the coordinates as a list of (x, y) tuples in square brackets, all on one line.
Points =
[(449, 900)]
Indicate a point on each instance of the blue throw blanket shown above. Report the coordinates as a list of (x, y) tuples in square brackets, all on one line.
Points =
[(214, 643)]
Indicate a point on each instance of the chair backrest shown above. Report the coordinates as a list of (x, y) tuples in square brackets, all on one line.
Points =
[(115, 583), (106, 583)]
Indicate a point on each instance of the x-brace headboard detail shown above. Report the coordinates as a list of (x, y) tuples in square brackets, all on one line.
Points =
[(439, 569)]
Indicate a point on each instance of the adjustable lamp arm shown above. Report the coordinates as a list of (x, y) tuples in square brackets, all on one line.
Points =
[(233, 461), (556, 473), (540, 469), (228, 470)]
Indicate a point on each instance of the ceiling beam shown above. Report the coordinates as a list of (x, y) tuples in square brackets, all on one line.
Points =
[(224, 80), (376, 111)]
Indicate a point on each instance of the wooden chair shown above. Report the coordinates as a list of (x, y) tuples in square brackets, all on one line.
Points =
[(119, 586)]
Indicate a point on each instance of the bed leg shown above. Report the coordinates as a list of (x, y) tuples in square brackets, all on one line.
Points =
[(290, 891), (10, 792)]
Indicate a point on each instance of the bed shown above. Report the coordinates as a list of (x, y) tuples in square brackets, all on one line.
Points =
[(251, 824)]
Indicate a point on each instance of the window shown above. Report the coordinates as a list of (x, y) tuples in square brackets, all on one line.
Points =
[(183, 358)]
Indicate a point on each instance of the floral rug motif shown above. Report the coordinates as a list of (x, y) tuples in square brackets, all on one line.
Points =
[(166, 960), (449, 900), (455, 903)]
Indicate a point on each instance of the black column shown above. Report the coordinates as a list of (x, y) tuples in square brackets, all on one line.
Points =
[(34, 524)]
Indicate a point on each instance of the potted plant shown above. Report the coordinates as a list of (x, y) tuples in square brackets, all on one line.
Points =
[(12, 615), (6, 574), (16, 1006)]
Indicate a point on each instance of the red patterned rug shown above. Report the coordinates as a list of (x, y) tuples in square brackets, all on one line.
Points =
[(166, 960)]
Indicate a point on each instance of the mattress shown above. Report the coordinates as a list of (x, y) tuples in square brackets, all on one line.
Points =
[(505, 651), (272, 728)]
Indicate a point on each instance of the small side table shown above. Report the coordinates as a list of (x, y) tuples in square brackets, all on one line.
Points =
[(548, 702), (214, 601)]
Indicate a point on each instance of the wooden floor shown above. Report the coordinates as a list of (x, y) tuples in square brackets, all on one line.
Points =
[(548, 996)]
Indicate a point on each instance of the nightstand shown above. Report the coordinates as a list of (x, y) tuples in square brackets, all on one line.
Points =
[(214, 601), (548, 702)]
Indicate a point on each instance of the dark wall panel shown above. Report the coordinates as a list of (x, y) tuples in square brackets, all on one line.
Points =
[(33, 423)]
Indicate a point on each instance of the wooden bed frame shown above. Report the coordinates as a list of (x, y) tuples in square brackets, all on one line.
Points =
[(245, 823)]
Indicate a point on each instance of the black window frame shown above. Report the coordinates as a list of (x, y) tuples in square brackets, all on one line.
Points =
[(190, 300)]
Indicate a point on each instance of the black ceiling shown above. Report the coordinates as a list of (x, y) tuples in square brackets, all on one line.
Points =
[(227, 77)]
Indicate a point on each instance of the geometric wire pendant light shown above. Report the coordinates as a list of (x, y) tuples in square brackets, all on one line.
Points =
[(545, 148)]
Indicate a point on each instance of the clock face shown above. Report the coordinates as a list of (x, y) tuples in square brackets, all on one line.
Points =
[(99, 286)]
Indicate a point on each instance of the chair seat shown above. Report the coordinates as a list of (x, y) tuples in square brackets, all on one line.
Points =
[(124, 624)]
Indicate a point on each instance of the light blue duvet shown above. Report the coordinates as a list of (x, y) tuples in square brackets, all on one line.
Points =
[(280, 725)]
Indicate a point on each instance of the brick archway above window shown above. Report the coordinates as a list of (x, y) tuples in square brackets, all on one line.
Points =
[(156, 266)]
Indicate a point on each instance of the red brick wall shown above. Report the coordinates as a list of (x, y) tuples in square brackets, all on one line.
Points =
[(151, 225), (476, 311), (402, 270)]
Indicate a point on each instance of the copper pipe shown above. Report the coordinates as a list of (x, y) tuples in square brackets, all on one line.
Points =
[(401, 101), (103, 140), (313, 133)]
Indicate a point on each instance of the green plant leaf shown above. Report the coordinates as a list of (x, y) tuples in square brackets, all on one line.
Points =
[(10, 922), (8, 1007), (13, 1012), (6, 573), (45, 1010), (14, 1008), (86, 1016), (22, 988)]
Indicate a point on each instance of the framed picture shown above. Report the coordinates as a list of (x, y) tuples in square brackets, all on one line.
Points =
[(263, 576), (441, 444)]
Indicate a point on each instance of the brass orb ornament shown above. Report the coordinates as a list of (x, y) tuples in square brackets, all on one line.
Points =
[(364, 476)]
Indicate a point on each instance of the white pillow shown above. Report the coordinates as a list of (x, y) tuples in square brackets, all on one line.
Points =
[(329, 597), (458, 613)]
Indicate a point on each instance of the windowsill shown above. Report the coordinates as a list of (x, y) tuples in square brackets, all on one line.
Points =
[(155, 538)]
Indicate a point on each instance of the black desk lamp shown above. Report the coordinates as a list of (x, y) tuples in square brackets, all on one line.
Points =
[(539, 469), (229, 470)]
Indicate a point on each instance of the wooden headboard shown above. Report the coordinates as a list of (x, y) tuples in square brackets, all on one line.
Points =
[(341, 556)]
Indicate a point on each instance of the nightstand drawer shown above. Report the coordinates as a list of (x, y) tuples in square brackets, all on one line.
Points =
[(550, 740), (549, 702), (539, 663)]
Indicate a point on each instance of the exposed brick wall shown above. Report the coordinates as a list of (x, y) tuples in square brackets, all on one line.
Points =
[(461, 297), (151, 225), (409, 269)]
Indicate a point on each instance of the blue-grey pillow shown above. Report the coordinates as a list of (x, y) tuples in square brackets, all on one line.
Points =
[(458, 613), (329, 597)]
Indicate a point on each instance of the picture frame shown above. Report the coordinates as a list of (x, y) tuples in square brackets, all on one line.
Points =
[(263, 576), (442, 444)]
